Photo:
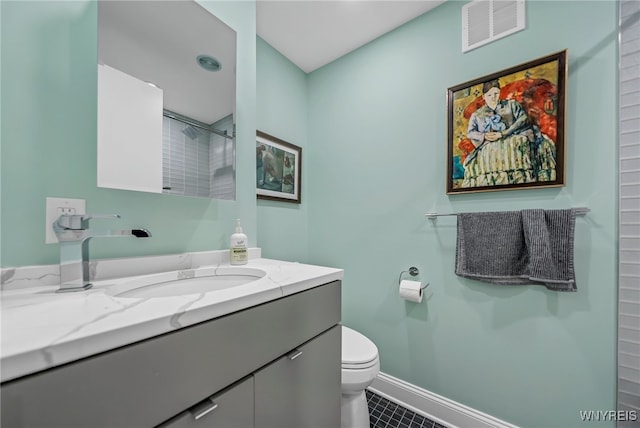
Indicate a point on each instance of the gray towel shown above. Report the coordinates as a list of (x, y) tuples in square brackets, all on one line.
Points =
[(517, 247)]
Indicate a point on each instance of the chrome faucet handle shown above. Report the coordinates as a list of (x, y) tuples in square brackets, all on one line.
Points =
[(79, 221), (98, 216), (87, 217)]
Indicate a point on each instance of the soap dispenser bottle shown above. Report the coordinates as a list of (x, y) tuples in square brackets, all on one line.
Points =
[(238, 253)]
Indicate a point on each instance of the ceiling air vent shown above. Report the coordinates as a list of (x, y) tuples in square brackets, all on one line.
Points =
[(484, 21)]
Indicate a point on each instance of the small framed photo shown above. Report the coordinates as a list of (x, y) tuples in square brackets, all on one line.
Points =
[(278, 169), (506, 130)]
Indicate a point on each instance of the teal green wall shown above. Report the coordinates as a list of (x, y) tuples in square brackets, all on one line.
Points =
[(374, 152), (375, 163), (282, 112), (48, 135), (527, 355)]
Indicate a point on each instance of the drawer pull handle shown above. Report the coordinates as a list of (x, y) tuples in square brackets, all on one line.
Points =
[(201, 409), (295, 354)]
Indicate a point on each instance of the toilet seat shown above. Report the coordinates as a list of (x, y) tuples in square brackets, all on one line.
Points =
[(358, 352)]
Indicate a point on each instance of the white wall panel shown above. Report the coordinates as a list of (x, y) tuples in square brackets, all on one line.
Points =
[(629, 222)]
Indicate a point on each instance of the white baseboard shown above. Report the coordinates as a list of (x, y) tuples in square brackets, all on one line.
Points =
[(433, 406)]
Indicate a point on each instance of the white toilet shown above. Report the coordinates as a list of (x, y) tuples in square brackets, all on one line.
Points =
[(360, 365)]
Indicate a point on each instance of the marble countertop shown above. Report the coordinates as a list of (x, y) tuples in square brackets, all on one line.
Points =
[(43, 329)]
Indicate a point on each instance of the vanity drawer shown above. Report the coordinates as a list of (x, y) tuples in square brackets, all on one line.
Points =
[(146, 383), (231, 408)]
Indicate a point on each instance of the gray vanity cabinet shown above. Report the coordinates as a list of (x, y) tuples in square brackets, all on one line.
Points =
[(172, 377), (296, 390)]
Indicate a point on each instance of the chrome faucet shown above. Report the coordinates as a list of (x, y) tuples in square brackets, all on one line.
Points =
[(74, 234)]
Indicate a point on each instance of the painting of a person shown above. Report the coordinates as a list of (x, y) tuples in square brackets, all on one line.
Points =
[(509, 147), (259, 165), (269, 167), (287, 175), (278, 166)]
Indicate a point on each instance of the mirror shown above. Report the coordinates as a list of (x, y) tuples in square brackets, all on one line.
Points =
[(166, 98)]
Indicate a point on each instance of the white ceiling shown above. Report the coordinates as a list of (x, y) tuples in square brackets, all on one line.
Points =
[(158, 42), (313, 33)]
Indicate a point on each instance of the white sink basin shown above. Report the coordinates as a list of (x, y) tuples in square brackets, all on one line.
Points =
[(191, 281)]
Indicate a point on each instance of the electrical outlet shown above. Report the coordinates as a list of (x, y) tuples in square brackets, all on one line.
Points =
[(55, 207), (65, 210)]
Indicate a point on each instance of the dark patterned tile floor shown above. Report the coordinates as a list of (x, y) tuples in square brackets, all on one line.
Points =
[(387, 414)]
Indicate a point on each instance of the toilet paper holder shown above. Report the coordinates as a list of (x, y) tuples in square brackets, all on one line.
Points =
[(413, 271)]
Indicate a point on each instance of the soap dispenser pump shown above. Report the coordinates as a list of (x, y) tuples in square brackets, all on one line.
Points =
[(238, 253)]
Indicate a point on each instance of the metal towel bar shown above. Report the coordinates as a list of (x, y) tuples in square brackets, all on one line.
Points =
[(434, 215)]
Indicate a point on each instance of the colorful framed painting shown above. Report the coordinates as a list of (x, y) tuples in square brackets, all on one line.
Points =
[(506, 129), (278, 169)]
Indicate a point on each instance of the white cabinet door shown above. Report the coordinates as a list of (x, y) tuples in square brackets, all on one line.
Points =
[(129, 132)]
